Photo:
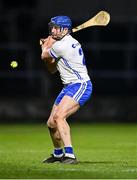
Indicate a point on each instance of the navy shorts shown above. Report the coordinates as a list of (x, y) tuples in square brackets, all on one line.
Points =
[(80, 92)]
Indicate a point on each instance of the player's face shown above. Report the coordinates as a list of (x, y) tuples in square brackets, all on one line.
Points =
[(57, 32)]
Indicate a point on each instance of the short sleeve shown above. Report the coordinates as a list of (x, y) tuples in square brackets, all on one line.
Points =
[(57, 50)]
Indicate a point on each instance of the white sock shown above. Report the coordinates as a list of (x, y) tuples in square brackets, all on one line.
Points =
[(69, 155)]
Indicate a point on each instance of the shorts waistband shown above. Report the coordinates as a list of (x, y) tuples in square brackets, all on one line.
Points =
[(65, 85)]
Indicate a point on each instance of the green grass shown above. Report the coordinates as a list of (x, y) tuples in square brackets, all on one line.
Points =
[(104, 151)]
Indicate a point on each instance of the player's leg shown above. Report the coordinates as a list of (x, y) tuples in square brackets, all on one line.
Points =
[(75, 96), (56, 139), (67, 107), (52, 126)]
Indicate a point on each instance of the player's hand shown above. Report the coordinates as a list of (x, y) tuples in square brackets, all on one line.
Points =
[(41, 41), (49, 41)]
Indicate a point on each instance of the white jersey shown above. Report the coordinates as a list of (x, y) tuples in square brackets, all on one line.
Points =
[(70, 60)]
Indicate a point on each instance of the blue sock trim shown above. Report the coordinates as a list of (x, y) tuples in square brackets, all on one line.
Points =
[(68, 150), (58, 151)]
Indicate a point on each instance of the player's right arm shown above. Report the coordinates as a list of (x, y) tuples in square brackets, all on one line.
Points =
[(45, 46), (45, 55)]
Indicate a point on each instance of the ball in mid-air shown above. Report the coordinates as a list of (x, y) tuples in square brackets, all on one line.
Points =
[(14, 64)]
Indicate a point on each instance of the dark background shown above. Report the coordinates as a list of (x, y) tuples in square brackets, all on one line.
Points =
[(28, 92)]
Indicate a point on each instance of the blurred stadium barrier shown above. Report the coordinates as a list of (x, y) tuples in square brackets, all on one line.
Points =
[(99, 109)]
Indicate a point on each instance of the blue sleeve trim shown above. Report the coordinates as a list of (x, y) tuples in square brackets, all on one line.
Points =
[(52, 55)]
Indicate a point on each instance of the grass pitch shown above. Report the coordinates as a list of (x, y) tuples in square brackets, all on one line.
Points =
[(104, 151)]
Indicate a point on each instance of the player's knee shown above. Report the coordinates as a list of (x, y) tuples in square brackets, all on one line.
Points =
[(51, 123)]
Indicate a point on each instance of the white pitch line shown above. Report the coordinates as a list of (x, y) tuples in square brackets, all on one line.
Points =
[(129, 170)]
